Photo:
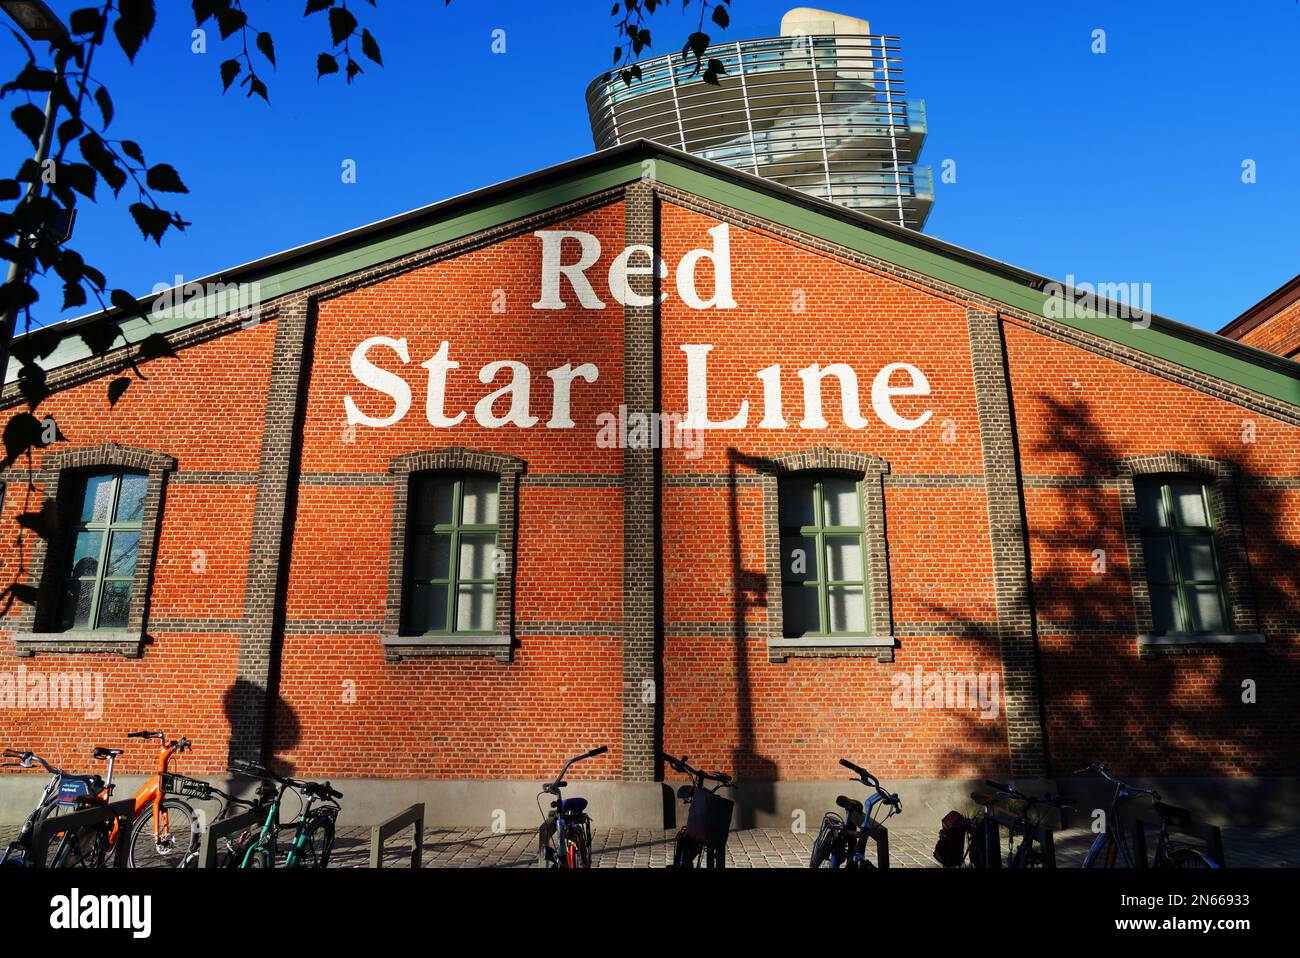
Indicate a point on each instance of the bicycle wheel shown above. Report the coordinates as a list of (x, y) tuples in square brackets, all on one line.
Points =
[(578, 852), (318, 841), (82, 848), (1189, 858), (177, 841), (827, 837)]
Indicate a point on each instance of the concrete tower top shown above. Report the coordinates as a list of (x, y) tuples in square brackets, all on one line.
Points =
[(808, 21)]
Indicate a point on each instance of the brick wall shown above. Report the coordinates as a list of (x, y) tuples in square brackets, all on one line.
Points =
[(986, 518)]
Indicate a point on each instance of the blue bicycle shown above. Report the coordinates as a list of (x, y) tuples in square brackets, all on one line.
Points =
[(842, 841), (564, 837)]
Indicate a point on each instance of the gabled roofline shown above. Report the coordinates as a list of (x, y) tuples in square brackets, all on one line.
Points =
[(1265, 309), (374, 242)]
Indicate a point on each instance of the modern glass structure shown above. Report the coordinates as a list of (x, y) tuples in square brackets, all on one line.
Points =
[(821, 109)]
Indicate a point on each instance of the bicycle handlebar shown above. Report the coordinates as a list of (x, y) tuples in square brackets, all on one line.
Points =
[(1105, 773), (25, 760), (871, 781), (680, 765)]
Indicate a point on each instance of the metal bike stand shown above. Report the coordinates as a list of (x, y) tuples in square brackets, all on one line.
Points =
[(386, 829), (209, 845), (1210, 835), (1040, 833), (880, 837), (123, 811)]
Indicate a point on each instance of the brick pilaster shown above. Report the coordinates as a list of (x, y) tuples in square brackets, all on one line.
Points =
[(641, 678), (1013, 586)]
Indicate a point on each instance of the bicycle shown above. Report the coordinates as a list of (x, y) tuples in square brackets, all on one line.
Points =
[(843, 840), (1111, 842), (1027, 854), (63, 790), (313, 829), (708, 821), (564, 837)]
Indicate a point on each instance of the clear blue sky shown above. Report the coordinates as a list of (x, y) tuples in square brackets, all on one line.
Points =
[(1124, 166)]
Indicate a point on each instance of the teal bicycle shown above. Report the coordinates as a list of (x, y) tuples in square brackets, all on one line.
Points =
[(313, 829)]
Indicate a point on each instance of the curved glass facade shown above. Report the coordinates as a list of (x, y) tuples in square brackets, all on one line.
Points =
[(827, 115)]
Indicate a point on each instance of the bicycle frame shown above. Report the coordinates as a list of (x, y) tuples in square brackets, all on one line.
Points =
[(856, 857), (566, 821), (268, 839)]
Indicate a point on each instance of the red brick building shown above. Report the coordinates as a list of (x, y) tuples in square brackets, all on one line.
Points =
[(400, 519)]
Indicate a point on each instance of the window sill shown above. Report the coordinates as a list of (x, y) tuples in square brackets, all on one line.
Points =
[(128, 644), (1152, 645), (880, 647), (398, 647)]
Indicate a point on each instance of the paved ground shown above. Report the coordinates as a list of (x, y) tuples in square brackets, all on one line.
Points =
[(748, 848), (753, 848)]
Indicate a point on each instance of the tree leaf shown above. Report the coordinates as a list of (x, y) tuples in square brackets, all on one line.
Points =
[(256, 86), (165, 179), (267, 46), (721, 18), (229, 70), (21, 433), (316, 6), (30, 120), (230, 20), (152, 221), (132, 149), (135, 21), (84, 21), (342, 24), (370, 47), (79, 176), (105, 105), (325, 63)]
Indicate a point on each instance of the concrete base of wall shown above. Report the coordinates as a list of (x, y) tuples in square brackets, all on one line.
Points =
[(1254, 802)]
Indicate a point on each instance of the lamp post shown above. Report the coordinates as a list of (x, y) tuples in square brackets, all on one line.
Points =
[(39, 22)]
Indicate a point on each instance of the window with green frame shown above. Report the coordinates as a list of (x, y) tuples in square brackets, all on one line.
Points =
[(823, 567), (450, 585), (1179, 546), (101, 572)]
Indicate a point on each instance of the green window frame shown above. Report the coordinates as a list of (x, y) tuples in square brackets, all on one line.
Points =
[(451, 555), (1180, 549), (100, 576), (825, 582)]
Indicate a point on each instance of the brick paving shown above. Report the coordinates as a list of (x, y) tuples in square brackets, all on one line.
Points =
[(748, 848)]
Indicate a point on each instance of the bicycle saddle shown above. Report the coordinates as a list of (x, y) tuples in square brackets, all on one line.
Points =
[(848, 804), (107, 752), (983, 798), (573, 806), (1172, 813)]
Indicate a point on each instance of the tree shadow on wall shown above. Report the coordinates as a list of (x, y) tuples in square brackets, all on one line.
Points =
[(1169, 714)]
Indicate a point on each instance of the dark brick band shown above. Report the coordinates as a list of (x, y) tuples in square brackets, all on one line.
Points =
[(1011, 576)]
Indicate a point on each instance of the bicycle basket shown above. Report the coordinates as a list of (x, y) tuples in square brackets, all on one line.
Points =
[(188, 787), (73, 791), (709, 821)]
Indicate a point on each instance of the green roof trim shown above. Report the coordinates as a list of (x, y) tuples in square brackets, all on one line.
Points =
[(484, 209)]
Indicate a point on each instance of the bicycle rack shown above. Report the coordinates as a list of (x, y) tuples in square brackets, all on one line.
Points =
[(880, 838), (1211, 835), (123, 811), (209, 844), (1044, 836), (385, 830)]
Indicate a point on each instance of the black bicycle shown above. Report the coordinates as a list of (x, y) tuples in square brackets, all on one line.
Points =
[(842, 840), (564, 837), (63, 791), (702, 841), (1022, 850), (1110, 849)]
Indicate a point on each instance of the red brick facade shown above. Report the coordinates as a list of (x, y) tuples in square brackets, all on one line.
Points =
[(1005, 545)]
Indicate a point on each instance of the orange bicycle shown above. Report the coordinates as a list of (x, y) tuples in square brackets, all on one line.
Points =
[(165, 830)]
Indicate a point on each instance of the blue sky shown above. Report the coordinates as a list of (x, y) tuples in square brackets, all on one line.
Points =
[(1116, 167)]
